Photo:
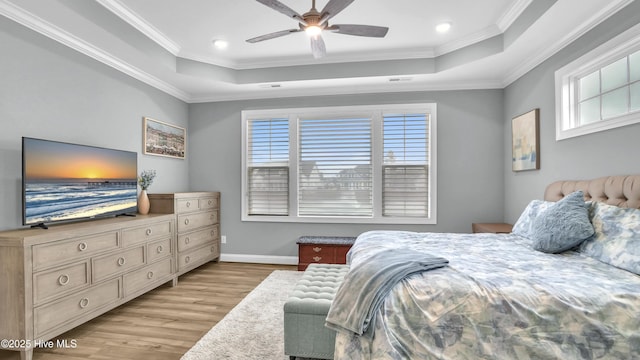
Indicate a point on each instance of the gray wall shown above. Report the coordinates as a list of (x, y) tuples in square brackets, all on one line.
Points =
[(612, 152), (470, 165), (50, 91)]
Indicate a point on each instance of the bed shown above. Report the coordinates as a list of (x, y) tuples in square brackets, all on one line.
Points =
[(498, 298)]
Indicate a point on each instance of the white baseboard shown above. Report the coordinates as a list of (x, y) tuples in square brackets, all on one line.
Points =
[(260, 259)]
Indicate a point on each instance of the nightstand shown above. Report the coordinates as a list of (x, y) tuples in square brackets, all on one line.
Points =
[(497, 228), (323, 250)]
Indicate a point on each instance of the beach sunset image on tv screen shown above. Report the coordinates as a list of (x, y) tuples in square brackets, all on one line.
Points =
[(64, 181)]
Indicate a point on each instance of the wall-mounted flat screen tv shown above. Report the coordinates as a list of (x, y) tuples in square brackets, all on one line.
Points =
[(64, 182)]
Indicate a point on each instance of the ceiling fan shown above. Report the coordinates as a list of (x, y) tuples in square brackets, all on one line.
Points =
[(313, 22)]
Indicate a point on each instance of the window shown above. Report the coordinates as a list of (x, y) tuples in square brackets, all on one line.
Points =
[(358, 164), (600, 90)]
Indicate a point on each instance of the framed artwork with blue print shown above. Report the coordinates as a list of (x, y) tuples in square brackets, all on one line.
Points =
[(525, 141)]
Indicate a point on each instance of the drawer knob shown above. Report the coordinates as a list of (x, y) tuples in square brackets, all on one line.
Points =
[(187, 240), (82, 246), (187, 259), (186, 221), (63, 279), (211, 217), (160, 249), (188, 203), (317, 258), (122, 261), (84, 302), (149, 231), (317, 249), (213, 249), (150, 275), (213, 233), (210, 202)]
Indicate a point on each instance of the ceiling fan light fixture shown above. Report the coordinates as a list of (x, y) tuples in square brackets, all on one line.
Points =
[(443, 27), (313, 30)]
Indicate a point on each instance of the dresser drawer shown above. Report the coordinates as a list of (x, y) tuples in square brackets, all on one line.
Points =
[(108, 265), (158, 249), (141, 279), (189, 222), (49, 284), (141, 234), (49, 316), (208, 203), (50, 254), (198, 256), (197, 238), (187, 205)]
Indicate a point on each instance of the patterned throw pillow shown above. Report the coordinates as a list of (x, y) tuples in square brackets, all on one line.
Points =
[(617, 237), (564, 225), (522, 227)]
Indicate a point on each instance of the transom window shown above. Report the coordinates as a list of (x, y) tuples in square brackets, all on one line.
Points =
[(360, 164), (600, 90)]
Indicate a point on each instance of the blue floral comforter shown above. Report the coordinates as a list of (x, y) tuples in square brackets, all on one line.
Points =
[(498, 299)]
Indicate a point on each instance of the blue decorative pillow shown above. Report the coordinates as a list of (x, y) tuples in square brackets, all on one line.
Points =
[(523, 226), (563, 225), (617, 237)]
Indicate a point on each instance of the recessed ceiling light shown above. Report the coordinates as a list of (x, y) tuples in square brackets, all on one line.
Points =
[(443, 27), (220, 44)]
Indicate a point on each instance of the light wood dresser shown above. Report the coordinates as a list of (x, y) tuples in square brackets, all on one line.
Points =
[(54, 280), (198, 225)]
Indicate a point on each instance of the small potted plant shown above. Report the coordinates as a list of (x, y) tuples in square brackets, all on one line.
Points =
[(145, 180)]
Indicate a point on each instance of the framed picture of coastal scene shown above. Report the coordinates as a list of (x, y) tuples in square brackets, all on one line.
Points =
[(525, 141), (163, 139)]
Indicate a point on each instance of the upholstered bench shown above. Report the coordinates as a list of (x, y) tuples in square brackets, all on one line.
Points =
[(306, 310)]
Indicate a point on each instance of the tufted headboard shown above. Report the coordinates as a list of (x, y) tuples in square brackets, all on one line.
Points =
[(622, 191)]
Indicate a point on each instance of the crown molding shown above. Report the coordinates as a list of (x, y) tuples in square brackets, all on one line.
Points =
[(484, 34), (133, 19), (283, 92), (51, 31), (512, 14), (597, 18)]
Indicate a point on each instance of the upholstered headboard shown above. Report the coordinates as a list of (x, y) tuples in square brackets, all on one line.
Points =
[(622, 191)]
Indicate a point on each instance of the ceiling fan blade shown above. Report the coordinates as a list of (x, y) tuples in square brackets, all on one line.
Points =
[(272, 35), (359, 30), (317, 47), (332, 8), (282, 8)]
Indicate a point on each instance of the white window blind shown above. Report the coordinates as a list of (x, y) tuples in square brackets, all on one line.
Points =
[(268, 167), (361, 164), (405, 166), (334, 167)]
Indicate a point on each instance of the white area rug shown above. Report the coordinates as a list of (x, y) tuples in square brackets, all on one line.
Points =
[(254, 328)]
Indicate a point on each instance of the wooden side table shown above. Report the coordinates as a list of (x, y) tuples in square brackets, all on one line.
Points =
[(323, 250), (496, 228)]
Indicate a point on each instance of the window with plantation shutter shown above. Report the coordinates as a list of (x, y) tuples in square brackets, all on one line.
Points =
[(405, 169), (349, 164), (334, 167), (268, 167)]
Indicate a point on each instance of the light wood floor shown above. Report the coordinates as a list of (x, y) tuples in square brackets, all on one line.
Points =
[(167, 321)]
